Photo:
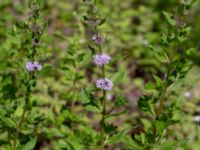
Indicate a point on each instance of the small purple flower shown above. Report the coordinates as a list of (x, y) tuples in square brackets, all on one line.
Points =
[(33, 66), (30, 66), (101, 59), (37, 66), (98, 39), (104, 84)]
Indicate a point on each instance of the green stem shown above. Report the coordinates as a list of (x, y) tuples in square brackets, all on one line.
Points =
[(73, 94), (104, 109), (161, 104), (29, 85), (162, 96), (27, 103), (19, 126), (21, 121), (104, 104), (103, 119)]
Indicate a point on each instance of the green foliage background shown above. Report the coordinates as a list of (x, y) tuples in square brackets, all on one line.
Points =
[(130, 26)]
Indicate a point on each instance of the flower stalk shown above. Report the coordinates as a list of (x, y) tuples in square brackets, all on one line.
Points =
[(32, 66)]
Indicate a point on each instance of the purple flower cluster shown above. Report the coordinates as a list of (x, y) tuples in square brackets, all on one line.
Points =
[(98, 39), (101, 59), (104, 84), (33, 66)]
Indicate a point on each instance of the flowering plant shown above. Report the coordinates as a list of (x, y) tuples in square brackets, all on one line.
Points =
[(86, 82)]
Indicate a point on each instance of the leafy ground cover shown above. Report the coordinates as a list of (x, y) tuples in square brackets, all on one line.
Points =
[(99, 74)]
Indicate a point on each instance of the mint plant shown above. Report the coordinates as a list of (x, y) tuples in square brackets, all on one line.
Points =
[(34, 28), (105, 75), (108, 132), (19, 120), (163, 102)]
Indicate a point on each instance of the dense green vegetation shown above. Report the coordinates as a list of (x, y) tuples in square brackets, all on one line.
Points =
[(99, 74)]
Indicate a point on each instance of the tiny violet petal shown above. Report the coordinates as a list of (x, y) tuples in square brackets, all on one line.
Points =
[(30, 66), (37, 65), (98, 39), (101, 59), (33, 66), (104, 84)]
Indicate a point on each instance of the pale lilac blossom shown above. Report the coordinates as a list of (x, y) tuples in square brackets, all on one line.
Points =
[(33, 66), (104, 84), (109, 97), (101, 59), (197, 119), (187, 94), (98, 39), (37, 66)]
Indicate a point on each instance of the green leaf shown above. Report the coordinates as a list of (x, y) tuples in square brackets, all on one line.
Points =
[(192, 2), (160, 127), (85, 18), (131, 144), (89, 101), (47, 69), (170, 18), (7, 122), (92, 108), (109, 128), (120, 101), (92, 49), (116, 138), (145, 104), (85, 96), (30, 145), (80, 57), (150, 85), (172, 145), (193, 55), (159, 54), (115, 114), (159, 83), (147, 124), (117, 77), (3, 111), (6, 80), (102, 21), (78, 76)]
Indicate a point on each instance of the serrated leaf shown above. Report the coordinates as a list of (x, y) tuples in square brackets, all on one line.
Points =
[(159, 54), (102, 21), (169, 17), (30, 145), (7, 122), (109, 128), (115, 114), (147, 124), (92, 49), (85, 96), (89, 101), (120, 101), (160, 127), (116, 138), (117, 77), (130, 143), (145, 104), (149, 85)]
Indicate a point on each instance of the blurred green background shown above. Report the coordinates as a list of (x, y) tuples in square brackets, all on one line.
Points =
[(130, 26)]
